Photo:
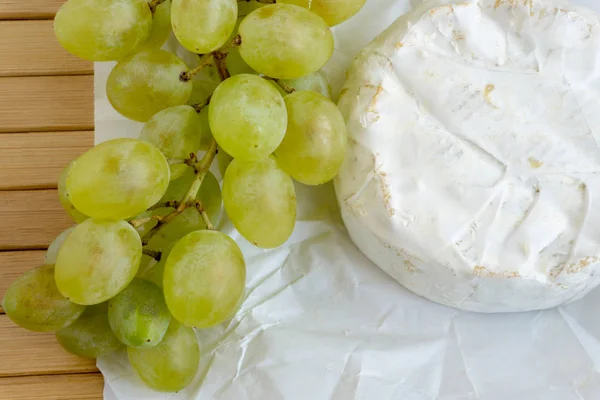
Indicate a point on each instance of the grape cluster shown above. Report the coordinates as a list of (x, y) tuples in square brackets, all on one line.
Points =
[(145, 263)]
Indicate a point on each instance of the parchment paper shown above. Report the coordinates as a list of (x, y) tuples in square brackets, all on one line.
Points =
[(322, 322)]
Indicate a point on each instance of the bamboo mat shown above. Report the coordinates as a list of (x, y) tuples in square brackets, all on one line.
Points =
[(46, 119)]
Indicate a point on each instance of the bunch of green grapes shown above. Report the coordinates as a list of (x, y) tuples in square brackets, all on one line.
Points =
[(145, 263)]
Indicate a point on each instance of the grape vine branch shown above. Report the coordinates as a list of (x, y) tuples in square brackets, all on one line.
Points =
[(201, 168)]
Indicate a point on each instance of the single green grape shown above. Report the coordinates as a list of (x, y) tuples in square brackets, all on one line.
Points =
[(63, 196), (285, 41), (314, 145), (172, 364), (202, 26), (247, 116), (102, 30), (204, 84), (236, 64), (155, 273), (204, 279), (207, 136), (145, 265), (55, 246), (315, 81), (139, 316), (175, 131), (145, 83), (90, 336), (332, 11), (161, 27), (34, 302), (118, 179), (190, 219), (260, 200), (246, 7), (177, 170), (223, 161), (97, 260)]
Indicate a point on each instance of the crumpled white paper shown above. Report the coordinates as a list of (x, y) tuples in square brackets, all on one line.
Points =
[(322, 322)]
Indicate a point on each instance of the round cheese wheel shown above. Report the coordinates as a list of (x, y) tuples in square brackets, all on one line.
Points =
[(473, 167)]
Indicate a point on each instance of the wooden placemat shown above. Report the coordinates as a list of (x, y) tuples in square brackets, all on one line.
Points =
[(46, 119)]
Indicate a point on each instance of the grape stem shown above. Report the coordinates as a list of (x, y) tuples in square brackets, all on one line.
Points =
[(189, 200), (155, 3), (200, 207), (237, 41), (154, 254), (136, 223), (220, 63), (166, 204), (286, 88), (200, 106), (205, 61)]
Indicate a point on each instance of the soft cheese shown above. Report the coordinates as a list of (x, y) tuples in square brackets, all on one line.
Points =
[(473, 168)]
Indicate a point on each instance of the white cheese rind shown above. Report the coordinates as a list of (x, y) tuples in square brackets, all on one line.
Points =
[(473, 168)]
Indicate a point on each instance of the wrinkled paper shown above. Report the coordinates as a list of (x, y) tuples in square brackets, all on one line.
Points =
[(321, 322)]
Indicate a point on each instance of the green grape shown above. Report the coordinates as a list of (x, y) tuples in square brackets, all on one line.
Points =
[(63, 196), (175, 131), (207, 136), (145, 265), (204, 279), (139, 316), (90, 336), (55, 246), (202, 26), (316, 82), (204, 84), (118, 179), (190, 219), (155, 273), (177, 170), (172, 364), (285, 41), (161, 27), (145, 83), (314, 145), (97, 260), (102, 30), (332, 11), (34, 302), (223, 161), (246, 7), (236, 65), (247, 116), (260, 200)]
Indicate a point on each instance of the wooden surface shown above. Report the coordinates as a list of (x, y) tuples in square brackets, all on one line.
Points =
[(46, 119)]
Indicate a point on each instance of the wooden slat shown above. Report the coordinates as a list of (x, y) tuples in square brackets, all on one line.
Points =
[(33, 353), (29, 9), (46, 103), (56, 387), (30, 48), (35, 160), (31, 219), (13, 264)]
